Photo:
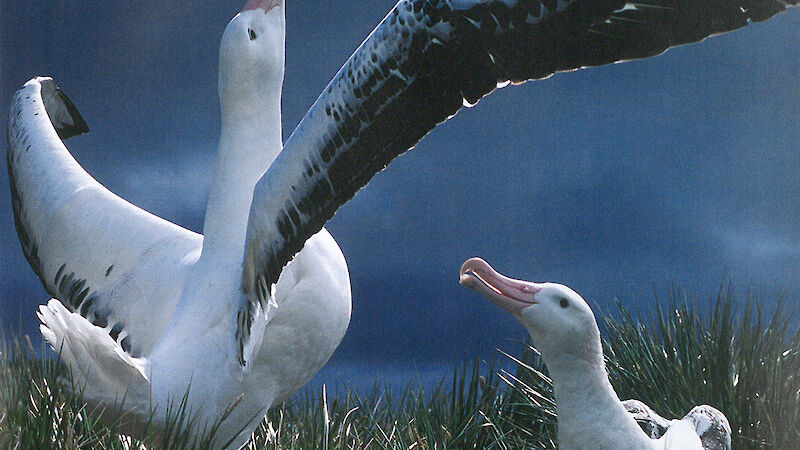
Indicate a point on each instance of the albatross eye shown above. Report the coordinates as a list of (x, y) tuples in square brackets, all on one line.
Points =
[(252, 34), (563, 302)]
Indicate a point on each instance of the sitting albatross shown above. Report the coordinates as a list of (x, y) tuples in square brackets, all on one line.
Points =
[(590, 415), (142, 307)]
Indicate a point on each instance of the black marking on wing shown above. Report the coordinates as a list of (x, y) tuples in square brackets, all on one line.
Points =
[(79, 297), (71, 290), (26, 240), (68, 122), (424, 61)]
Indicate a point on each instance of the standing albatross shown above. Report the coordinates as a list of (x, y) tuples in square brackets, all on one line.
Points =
[(142, 307), (590, 415)]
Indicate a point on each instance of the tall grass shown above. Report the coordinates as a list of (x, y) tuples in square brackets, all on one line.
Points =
[(733, 356), (745, 363), (41, 409)]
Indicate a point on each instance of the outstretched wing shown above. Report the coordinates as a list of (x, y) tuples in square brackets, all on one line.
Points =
[(426, 60), (117, 265)]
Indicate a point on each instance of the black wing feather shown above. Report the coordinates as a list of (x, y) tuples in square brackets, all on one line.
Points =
[(63, 114), (424, 61)]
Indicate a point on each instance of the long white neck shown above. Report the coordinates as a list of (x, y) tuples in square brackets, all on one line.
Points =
[(250, 140), (590, 414)]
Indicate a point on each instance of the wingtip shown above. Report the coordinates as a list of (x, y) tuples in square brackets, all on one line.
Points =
[(63, 114)]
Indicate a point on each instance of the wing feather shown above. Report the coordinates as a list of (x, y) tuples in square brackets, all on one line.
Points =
[(425, 61), (115, 264)]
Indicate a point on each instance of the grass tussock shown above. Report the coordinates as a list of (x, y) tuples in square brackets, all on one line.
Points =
[(744, 362), (740, 359)]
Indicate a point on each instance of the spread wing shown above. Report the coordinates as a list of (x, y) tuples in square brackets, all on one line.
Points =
[(426, 60), (117, 265)]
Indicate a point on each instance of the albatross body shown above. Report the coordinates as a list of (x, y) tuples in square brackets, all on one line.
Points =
[(590, 415), (143, 308), (250, 310)]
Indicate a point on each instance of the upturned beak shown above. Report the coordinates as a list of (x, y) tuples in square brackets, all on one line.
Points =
[(508, 293)]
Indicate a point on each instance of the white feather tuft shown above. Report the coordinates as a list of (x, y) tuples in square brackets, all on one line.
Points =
[(89, 349), (259, 325)]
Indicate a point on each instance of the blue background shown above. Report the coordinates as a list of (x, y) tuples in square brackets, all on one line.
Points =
[(619, 181)]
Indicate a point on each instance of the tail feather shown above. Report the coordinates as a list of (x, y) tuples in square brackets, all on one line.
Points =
[(98, 362)]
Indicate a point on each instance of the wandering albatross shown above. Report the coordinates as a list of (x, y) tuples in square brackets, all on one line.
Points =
[(142, 307), (590, 415)]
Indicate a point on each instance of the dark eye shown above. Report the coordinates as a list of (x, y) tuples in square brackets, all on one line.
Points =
[(563, 302), (252, 34)]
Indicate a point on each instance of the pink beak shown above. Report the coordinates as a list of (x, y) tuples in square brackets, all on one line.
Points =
[(266, 5), (508, 293)]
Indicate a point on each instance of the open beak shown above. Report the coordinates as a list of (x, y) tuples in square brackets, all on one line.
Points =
[(266, 5), (508, 293)]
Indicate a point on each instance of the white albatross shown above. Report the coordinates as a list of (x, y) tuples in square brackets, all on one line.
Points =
[(143, 307), (590, 415)]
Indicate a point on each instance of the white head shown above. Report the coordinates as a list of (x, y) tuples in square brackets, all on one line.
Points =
[(252, 54), (560, 322)]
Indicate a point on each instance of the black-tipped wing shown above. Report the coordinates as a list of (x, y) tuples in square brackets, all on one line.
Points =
[(117, 265), (425, 61), (64, 116)]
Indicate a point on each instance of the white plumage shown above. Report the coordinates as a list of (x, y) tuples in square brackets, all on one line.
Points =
[(251, 309), (590, 415), (144, 308)]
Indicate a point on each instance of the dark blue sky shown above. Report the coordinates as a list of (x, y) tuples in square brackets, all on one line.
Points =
[(617, 181)]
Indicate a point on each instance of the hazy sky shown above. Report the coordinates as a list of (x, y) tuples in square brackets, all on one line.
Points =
[(617, 181)]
